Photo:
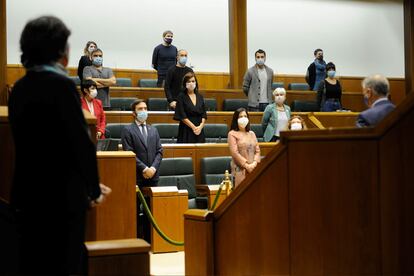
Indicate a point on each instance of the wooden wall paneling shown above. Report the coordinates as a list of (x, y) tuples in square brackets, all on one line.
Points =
[(3, 53), (199, 240), (116, 218), (336, 119), (334, 214), (252, 237), (7, 155), (237, 41)]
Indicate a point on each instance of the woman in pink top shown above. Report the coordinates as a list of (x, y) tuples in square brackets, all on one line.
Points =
[(244, 149)]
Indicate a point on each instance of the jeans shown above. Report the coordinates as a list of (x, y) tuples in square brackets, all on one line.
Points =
[(331, 105)]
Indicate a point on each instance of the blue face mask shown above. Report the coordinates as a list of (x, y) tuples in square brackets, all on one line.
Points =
[(97, 61), (260, 61), (331, 73), (182, 60), (142, 116)]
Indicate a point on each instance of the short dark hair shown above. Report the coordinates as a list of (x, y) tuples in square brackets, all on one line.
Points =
[(43, 40), (316, 51), (86, 84), (188, 76), (135, 103), (330, 66), (260, 51), (235, 124)]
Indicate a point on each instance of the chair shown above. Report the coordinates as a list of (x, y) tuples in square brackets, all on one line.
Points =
[(157, 104), (278, 85), (122, 104), (147, 83), (212, 169), (211, 104), (114, 130), (75, 79), (179, 172), (124, 82), (258, 130), (216, 133), (234, 104), (298, 86), (304, 106), (168, 132)]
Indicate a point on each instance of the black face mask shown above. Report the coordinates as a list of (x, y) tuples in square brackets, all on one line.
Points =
[(320, 58), (168, 40)]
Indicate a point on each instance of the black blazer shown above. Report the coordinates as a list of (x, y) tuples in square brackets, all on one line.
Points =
[(55, 165), (148, 154)]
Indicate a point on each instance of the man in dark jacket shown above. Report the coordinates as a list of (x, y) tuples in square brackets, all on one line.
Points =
[(51, 196), (316, 71)]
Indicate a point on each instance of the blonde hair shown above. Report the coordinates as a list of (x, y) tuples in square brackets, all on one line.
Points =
[(279, 90), (302, 121), (85, 51)]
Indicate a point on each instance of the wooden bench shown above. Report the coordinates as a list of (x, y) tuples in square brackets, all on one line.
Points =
[(118, 257)]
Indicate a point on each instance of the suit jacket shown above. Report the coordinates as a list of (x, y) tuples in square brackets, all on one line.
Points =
[(251, 85), (148, 153), (270, 120), (375, 114), (99, 114), (48, 124)]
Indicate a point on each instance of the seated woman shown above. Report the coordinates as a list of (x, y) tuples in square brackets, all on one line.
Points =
[(296, 123), (330, 91), (86, 59), (190, 110), (276, 116), (244, 149), (94, 106)]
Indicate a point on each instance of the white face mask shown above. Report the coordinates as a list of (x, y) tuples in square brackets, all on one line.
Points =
[(243, 121), (190, 85), (280, 99), (91, 48), (296, 126), (93, 93)]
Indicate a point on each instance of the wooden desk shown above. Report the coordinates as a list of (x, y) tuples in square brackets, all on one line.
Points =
[(336, 119), (168, 205), (116, 218)]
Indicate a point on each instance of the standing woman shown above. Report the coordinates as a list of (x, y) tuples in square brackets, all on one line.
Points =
[(330, 91), (86, 59), (276, 116), (244, 149), (94, 106), (191, 112)]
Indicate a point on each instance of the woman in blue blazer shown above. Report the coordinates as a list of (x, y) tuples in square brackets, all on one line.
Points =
[(276, 116)]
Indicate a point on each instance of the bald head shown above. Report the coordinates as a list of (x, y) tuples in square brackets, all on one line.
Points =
[(378, 84)]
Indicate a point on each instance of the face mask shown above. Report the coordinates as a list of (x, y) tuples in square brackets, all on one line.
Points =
[(331, 73), (190, 85), (97, 61), (280, 99), (320, 57), (91, 48), (142, 116), (168, 40), (93, 93), (260, 61), (243, 121), (296, 126), (182, 60)]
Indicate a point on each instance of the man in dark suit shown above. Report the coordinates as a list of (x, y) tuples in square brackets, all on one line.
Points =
[(51, 196), (376, 90), (144, 141)]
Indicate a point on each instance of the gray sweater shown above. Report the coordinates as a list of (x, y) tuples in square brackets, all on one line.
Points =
[(251, 85)]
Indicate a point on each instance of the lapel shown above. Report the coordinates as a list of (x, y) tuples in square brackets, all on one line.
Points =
[(139, 134), (274, 110)]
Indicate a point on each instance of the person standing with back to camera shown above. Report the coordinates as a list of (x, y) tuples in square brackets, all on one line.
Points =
[(51, 197)]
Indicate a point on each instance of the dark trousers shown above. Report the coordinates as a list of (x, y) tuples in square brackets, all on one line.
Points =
[(51, 243), (262, 107), (160, 81)]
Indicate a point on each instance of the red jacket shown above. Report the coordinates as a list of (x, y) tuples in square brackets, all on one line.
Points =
[(99, 114)]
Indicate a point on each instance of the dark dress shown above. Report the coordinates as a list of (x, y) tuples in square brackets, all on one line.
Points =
[(83, 62), (185, 109)]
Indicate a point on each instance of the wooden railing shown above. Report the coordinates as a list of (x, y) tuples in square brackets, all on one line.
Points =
[(326, 202)]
